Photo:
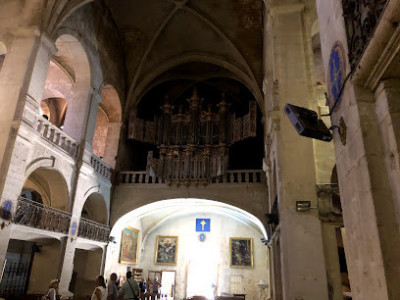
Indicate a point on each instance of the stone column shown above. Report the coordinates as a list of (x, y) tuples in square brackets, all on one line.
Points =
[(90, 124), (111, 148), (67, 267), (302, 255), (21, 84), (388, 112), (332, 261), (369, 208), (367, 169)]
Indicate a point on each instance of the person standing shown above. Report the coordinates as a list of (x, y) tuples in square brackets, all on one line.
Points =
[(52, 291), (129, 289), (99, 292), (112, 290), (142, 286), (156, 285)]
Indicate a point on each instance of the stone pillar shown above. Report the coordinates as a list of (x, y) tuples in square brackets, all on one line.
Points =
[(369, 208), (332, 261), (367, 171), (21, 84), (388, 112), (68, 267), (302, 254), (111, 149)]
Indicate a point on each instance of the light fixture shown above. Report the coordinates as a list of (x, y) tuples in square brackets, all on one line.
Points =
[(307, 123), (303, 206)]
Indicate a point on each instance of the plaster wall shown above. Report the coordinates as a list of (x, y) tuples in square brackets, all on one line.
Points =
[(213, 253)]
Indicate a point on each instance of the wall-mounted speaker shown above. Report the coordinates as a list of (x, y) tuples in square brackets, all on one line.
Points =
[(307, 123)]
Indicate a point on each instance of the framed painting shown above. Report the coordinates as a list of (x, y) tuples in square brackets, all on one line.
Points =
[(129, 246), (241, 252), (166, 250)]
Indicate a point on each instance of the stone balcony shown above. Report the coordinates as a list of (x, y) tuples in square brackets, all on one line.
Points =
[(100, 167), (229, 177), (57, 137), (65, 143)]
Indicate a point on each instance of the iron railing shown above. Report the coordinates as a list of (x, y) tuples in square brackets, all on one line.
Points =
[(94, 231), (34, 214), (361, 18)]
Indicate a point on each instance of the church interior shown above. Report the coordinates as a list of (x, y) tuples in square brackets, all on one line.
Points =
[(229, 149)]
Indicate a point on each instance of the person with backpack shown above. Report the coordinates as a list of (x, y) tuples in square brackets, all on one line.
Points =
[(129, 289)]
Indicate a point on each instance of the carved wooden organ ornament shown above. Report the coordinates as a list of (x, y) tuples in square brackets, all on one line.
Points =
[(193, 144)]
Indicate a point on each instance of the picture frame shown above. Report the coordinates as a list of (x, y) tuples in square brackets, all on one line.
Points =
[(129, 245), (241, 252), (166, 250)]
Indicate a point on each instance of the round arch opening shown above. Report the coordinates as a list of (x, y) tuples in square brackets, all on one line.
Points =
[(47, 186), (163, 236), (95, 209)]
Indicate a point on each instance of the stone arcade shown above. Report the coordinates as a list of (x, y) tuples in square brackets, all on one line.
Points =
[(150, 136)]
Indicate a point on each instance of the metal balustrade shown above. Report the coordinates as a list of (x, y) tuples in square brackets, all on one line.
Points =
[(230, 177), (94, 231), (101, 167), (37, 215), (56, 136), (34, 214)]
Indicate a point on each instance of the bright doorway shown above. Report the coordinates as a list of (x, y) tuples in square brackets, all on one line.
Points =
[(168, 284), (202, 273)]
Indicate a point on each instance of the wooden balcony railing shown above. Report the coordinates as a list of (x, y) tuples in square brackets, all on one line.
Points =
[(101, 167), (230, 177), (94, 231), (56, 136), (34, 214)]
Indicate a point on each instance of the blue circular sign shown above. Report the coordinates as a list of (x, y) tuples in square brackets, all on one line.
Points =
[(202, 237), (6, 210), (73, 227), (336, 71)]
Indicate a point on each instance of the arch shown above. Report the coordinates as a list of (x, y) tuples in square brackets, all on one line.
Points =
[(108, 126), (55, 110), (51, 185), (165, 209), (69, 78), (194, 57), (95, 208)]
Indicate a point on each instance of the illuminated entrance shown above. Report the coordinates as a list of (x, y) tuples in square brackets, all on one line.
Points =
[(199, 261)]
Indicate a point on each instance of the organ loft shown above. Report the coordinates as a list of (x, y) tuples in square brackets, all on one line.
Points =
[(192, 140)]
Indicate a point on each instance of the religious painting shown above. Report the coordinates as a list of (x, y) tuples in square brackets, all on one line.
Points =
[(166, 250), (129, 246), (241, 252)]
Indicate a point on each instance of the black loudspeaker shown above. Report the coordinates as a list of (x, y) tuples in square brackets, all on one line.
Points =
[(306, 123)]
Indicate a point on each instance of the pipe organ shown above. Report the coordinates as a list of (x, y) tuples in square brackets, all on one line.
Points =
[(193, 144)]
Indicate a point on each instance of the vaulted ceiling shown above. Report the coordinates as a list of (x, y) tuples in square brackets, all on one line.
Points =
[(159, 35)]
